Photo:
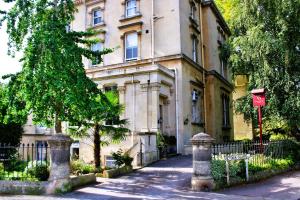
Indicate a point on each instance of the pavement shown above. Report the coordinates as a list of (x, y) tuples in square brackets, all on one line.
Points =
[(285, 186), (167, 179)]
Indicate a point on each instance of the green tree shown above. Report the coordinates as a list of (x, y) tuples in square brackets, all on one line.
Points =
[(106, 127), (52, 82), (265, 45), (12, 119)]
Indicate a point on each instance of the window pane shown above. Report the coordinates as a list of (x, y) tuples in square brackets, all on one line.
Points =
[(97, 47), (134, 52), (131, 40), (128, 53), (131, 12), (97, 16), (131, 46), (130, 8)]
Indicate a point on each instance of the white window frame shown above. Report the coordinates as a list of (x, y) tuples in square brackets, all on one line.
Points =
[(128, 8), (97, 17), (132, 47)]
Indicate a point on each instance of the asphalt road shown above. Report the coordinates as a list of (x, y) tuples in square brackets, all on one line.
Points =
[(285, 187)]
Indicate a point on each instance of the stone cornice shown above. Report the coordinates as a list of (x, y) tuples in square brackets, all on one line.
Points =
[(221, 78)]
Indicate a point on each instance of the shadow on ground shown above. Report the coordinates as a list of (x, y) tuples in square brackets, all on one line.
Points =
[(167, 179)]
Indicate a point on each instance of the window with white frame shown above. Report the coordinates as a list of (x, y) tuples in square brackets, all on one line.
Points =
[(131, 8), (96, 47), (97, 17), (131, 46), (196, 106), (109, 161), (195, 52)]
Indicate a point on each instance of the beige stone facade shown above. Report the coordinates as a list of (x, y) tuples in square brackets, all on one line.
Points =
[(176, 82), (242, 130), (166, 67)]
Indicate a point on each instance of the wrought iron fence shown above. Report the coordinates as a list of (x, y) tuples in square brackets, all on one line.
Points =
[(24, 162), (257, 154)]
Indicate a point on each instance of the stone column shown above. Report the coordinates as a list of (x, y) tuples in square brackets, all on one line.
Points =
[(155, 88), (144, 109), (122, 100), (202, 179), (60, 156)]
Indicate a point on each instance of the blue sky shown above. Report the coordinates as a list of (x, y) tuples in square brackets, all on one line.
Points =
[(7, 63)]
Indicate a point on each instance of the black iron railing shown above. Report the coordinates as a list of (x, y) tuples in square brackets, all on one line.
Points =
[(24, 162), (257, 154)]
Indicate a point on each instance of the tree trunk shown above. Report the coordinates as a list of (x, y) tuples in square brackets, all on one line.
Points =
[(58, 128), (97, 147)]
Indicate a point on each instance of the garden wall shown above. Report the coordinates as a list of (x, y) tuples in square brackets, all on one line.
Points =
[(45, 187)]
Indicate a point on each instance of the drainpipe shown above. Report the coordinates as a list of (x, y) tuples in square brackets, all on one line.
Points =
[(203, 65), (152, 32), (176, 110), (133, 107)]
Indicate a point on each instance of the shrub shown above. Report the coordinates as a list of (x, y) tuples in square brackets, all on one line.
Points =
[(218, 170), (278, 136), (1, 171), (122, 159), (38, 169), (117, 156), (160, 141), (237, 171), (80, 167), (127, 159), (15, 165), (170, 140)]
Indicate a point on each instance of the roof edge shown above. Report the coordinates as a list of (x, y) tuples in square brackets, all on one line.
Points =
[(217, 12)]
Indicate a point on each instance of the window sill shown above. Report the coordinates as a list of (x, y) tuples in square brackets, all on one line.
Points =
[(201, 124), (226, 127), (97, 25), (131, 60), (125, 18), (138, 23), (95, 66)]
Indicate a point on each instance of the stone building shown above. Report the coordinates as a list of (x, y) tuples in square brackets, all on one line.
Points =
[(166, 67), (242, 129)]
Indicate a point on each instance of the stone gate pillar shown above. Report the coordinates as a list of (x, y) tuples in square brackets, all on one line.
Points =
[(202, 179), (60, 156)]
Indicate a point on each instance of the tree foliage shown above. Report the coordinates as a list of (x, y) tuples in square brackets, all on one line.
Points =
[(105, 129), (11, 118), (53, 82), (265, 46)]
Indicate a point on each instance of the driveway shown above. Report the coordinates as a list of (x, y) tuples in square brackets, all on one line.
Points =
[(286, 186), (167, 179)]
